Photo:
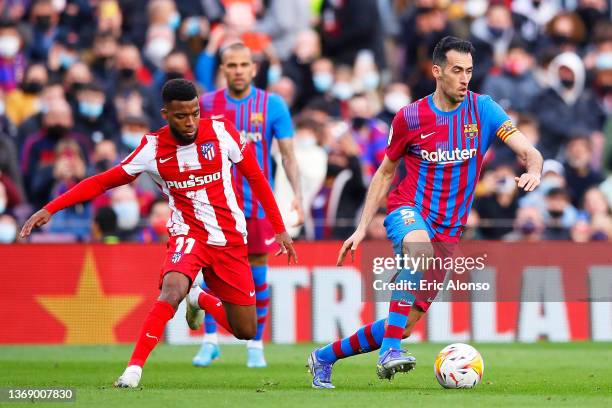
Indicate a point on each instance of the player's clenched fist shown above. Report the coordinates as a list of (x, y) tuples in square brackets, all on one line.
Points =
[(528, 181), (38, 219), (350, 244)]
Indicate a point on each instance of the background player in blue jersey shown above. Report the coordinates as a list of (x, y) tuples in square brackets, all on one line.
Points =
[(260, 117), (443, 139)]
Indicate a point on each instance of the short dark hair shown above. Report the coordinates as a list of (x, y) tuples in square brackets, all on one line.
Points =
[(179, 90), (451, 43)]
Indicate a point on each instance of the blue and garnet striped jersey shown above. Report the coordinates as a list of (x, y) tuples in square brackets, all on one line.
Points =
[(259, 117), (443, 153)]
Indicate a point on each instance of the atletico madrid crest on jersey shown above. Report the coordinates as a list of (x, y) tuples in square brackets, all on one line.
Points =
[(208, 151), (176, 257)]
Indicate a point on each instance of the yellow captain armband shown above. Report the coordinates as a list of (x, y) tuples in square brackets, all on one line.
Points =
[(506, 130)]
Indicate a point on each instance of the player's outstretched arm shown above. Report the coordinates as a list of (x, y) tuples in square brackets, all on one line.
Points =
[(86, 190), (530, 157), (379, 186), (249, 168)]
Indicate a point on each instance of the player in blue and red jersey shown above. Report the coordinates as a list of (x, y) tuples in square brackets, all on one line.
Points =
[(443, 139), (260, 117)]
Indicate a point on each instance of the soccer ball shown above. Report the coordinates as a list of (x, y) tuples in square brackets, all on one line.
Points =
[(459, 365)]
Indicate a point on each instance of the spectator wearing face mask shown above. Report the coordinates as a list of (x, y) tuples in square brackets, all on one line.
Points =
[(92, 118), (8, 229), (369, 133), (499, 206), (312, 163), (104, 47), (62, 55), (565, 32), (160, 42), (133, 128), (531, 16), (491, 36), (155, 230), (579, 173), (39, 151), (299, 67), (44, 23), (565, 109), (69, 168), (131, 79), (528, 226), (560, 215), (175, 65), (515, 86), (24, 102), (124, 201), (12, 60), (336, 205), (553, 176), (397, 95), (52, 93)]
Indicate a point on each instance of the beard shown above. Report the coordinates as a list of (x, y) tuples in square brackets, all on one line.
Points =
[(181, 138)]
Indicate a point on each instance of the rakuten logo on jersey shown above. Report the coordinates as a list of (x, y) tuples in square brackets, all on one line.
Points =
[(446, 156), (194, 181), (252, 136)]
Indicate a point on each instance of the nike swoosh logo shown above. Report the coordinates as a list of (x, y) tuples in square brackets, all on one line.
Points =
[(151, 337), (403, 304), (163, 160), (251, 294), (427, 135), (219, 304), (269, 241)]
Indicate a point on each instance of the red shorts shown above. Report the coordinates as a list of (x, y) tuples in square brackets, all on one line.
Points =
[(261, 237), (226, 270)]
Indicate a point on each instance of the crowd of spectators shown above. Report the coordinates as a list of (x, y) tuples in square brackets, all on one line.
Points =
[(80, 84)]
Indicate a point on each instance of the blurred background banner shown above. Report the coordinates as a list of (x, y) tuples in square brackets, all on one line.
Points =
[(99, 294)]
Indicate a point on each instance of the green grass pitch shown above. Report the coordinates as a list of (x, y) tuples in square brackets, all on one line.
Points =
[(516, 375)]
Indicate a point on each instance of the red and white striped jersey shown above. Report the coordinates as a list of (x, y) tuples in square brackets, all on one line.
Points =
[(197, 179)]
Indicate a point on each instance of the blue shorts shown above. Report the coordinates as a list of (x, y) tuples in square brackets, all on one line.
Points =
[(403, 220)]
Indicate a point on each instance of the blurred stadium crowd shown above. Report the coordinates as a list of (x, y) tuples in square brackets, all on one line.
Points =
[(80, 83)]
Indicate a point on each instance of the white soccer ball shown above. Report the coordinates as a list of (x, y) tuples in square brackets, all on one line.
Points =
[(459, 365)]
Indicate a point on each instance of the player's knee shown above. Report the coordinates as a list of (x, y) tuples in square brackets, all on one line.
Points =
[(172, 293), (423, 250), (245, 332)]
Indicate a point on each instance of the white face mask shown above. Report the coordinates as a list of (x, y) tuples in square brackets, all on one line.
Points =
[(9, 46), (8, 232), (304, 142), (370, 81), (394, 101), (157, 49), (342, 91), (128, 214)]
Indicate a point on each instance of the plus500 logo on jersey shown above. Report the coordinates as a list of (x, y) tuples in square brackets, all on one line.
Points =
[(194, 181), (448, 156)]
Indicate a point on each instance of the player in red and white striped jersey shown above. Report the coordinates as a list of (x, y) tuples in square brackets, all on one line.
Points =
[(190, 159)]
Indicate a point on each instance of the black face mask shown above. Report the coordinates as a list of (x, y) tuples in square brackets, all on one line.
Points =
[(77, 86), (57, 131), (359, 122), (103, 165), (127, 73), (555, 213), (333, 169), (599, 236), (606, 89), (567, 83), (528, 227), (32, 87), (590, 16), (174, 75), (43, 23), (496, 32), (560, 40)]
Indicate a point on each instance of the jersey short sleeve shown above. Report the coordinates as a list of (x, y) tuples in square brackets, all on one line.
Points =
[(230, 137), (139, 160), (495, 120), (399, 139), (282, 126)]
